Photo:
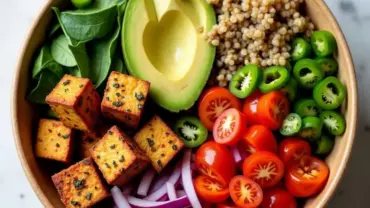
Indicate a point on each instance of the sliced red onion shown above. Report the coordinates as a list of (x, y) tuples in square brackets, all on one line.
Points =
[(180, 193), (145, 182), (141, 203), (127, 189), (120, 200), (187, 180), (193, 166), (174, 178), (236, 154), (171, 192), (163, 178)]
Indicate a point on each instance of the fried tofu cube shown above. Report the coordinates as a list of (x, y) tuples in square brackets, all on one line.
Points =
[(118, 157), (87, 140), (124, 98), (76, 102), (54, 141), (158, 142), (80, 185)]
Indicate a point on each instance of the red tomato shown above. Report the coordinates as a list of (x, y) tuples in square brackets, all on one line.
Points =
[(210, 190), (244, 192), (213, 102), (278, 198), (306, 177), (226, 205), (229, 127), (250, 107), (258, 138), (265, 168), (272, 109), (293, 149), (215, 161)]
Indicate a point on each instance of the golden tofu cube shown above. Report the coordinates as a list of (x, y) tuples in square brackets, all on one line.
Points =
[(87, 140), (158, 141), (80, 185), (118, 157), (76, 102), (54, 141), (124, 98)]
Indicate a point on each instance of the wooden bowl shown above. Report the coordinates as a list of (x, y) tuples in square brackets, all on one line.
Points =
[(24, 114)]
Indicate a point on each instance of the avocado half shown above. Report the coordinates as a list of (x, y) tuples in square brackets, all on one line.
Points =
[(163, 42)]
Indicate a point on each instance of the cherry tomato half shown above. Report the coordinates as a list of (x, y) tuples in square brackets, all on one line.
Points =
[(210, 190), (250, 107), (265, 168), (258, 138), (244, 192), (278, 198), (229, 127), (272, 109), (306, 177), (213, 102), (293, 149), (215, 161)]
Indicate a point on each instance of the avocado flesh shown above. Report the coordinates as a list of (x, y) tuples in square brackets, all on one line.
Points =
[(162, 44)]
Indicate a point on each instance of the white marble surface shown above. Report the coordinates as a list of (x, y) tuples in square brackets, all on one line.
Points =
[(16, 17)]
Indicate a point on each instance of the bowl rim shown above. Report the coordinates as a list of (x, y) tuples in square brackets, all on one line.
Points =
[(325, 197)]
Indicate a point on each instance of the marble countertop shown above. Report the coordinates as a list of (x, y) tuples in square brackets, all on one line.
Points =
[(16, 17)]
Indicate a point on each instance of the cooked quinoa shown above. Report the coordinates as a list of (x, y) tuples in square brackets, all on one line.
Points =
[(255, 32)]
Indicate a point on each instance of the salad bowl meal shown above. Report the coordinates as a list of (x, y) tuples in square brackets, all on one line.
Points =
[(185, 103)]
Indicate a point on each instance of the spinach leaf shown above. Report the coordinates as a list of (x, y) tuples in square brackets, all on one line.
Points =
[(79, 53), (74, 71), (45, 61), (85, 25), (54, 29), (48, 80), (61, 52), (118, 65), (102, 51)]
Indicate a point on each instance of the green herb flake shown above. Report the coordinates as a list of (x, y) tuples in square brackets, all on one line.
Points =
[(117, 104), (74, 203), (65, 136), (159, 162), (110, 132), (128, 110), (122, 159), (139, 106), (107, 165), (121, 170), (114, 163), (116, 85), (118, 94), (81, 86), (57, 145), (67, 82), (112, 146), (107, 98), (150, 142), (174, 147), (88, 196), (139, 96), (79, 184)]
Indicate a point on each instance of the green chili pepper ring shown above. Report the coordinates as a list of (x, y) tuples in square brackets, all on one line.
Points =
[(324, 145), (306, 107), (245, 81), (328, 65), (333, 122), (329, 93), (301, 49), (191, 131), (311, 128), (291, 125), (323, 43), (274, 78), (308, 73), (290, 89)]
